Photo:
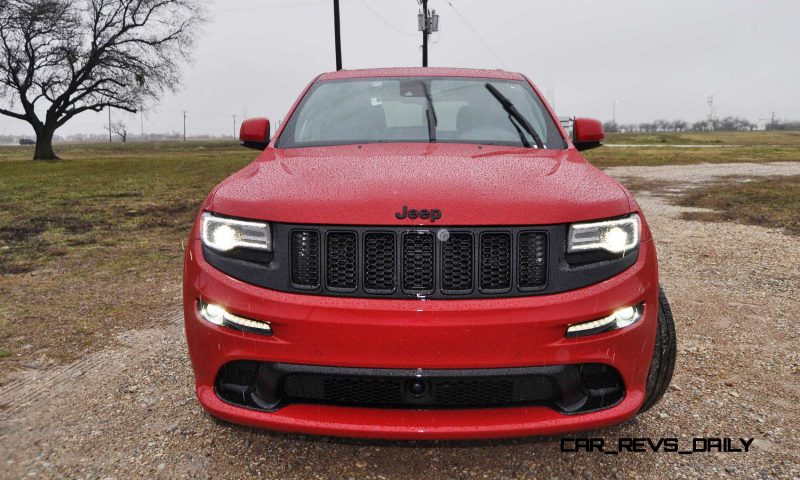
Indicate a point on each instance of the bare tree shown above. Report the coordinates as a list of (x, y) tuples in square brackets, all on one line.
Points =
[(679, 125), (60, 58), (120, 129), (611, 126)]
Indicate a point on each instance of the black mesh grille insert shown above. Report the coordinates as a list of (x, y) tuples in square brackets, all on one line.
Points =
[(348, 390), (341, 260), (566, 388), (418, 262), (495, 261), (402, 262), (305, 258), (379, 261), (437, 392), (457, 263), (532, 260), (469, 392)]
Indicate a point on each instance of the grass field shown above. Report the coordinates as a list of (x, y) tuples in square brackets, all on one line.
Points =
[(765, 138), (91, 245), (659, 149), (768, 202)]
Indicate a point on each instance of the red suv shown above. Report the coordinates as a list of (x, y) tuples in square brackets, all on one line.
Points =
[(423, 253)]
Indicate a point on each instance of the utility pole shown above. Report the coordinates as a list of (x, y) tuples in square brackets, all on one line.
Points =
[(184, 125), (337, 35), (141, 121), (234, 126), (614, 111), (109, 124), (710, 102), (428, 23)]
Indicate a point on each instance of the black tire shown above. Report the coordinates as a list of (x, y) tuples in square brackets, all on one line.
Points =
[(663, 362)]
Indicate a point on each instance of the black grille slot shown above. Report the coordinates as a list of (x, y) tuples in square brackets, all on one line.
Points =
[(418, 262), (379, 263), (345, 390), (457, 263), (341, 252), (305, 259), (495, 261), (474, 392), (532, 260)]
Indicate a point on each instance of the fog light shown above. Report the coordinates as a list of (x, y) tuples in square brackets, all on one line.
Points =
[(219, 316), (621, 318)]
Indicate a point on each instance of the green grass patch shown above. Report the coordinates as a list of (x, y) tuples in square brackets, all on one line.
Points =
[(660, 148), (652, 156), (768, 202), (104, 195), (93, 243), (771, 137)]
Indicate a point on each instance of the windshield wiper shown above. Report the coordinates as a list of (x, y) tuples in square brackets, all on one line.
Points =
[(430, 113), (512, 111), (523, 139)]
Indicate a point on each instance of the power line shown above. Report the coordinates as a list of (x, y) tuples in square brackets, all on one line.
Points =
[(383, 20), (267, 7), (475, 32)]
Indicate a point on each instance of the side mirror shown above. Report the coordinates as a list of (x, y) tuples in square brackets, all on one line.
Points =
[(254, 133), (587, 133)]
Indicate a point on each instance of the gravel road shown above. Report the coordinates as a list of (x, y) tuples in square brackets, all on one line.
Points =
[(130, 412)]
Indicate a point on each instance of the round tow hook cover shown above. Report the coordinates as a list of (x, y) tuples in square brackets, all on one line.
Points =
[(417, 387)]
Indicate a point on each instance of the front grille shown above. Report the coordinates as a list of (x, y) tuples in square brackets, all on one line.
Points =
[(565, 388), (379, 391), (375, 261)]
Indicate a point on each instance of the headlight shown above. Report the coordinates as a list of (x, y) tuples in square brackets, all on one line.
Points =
[(225, 234), (615, 236)]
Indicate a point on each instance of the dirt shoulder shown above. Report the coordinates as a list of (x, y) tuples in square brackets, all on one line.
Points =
[(128, 411)]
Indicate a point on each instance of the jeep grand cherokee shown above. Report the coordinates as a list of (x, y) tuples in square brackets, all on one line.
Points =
[(423, 253)]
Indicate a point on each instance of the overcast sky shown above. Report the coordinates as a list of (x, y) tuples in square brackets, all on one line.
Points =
[(657, 59)]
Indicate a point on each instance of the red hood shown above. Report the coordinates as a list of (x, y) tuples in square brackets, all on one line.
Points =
[(471, 185)]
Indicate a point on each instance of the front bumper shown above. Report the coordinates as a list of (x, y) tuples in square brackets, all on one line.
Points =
[(421, 334)]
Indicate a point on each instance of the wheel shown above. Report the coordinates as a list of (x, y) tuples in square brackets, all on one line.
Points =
[(663, 362)]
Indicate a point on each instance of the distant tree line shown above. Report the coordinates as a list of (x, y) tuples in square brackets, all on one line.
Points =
[(103, 137), (778, 124), (718, 124)]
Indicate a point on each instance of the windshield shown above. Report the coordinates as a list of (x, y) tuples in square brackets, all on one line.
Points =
[(426, 109)]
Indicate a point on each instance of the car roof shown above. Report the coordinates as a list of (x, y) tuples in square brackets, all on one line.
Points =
[(421, 72)]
